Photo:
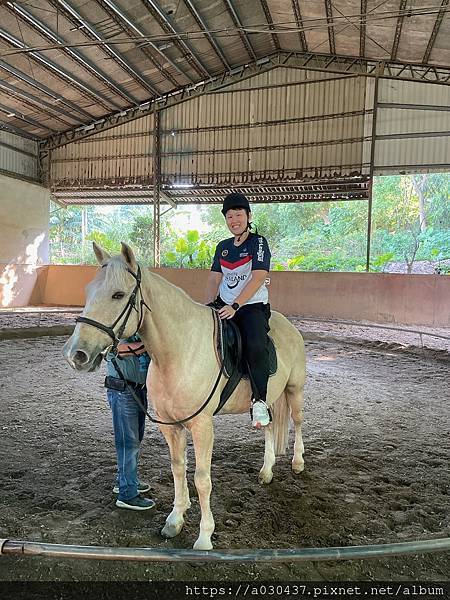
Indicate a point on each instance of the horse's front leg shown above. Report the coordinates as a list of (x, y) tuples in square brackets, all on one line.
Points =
[(203, 439), (266, 474), (176, 440)]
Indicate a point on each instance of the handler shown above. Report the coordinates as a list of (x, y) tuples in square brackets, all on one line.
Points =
[(128, 420)]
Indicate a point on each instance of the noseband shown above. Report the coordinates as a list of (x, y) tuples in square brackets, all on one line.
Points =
[(125, 314)]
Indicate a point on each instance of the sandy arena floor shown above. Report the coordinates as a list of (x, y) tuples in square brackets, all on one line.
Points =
[(377, 446)]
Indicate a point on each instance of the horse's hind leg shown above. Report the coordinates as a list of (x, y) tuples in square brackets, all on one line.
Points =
[(176, 440), (294, 396), (203, 438)]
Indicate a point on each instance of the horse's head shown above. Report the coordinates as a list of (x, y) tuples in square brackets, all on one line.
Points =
[(113, 309)]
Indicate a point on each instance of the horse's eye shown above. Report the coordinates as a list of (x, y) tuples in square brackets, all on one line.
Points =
[(118, 296)]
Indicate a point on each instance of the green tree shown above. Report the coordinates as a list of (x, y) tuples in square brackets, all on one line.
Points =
[(190, 252)]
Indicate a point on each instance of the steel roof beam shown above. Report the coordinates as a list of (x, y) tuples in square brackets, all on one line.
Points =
[(58, 71), (398, 29), (37, 25), (42, 88), (435, 31), (269, 20), (315, 62), (185, 48), (299, 21), (331, 38), (201, 23), (7, 127), (362, 30), (169, 99), (34, 100), (39, 102), (131, 28), (237, 23), (13, 112), (74, 16)]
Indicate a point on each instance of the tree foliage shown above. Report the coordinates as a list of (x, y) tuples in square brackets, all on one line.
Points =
[(410, 222)]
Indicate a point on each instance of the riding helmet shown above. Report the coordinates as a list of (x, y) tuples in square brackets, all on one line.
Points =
[(235, 200)]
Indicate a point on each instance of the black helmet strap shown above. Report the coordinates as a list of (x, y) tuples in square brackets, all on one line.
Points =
[(248, 228)]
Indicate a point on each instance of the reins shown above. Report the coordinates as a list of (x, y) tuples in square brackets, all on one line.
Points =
[(142, 407)]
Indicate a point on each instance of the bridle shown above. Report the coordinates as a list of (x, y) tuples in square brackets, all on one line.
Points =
[(125, 314)]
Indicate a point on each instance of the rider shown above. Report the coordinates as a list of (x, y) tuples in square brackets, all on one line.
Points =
[(239, 271), (128, 419)]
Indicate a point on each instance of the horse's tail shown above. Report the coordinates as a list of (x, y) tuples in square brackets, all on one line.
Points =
[(280, 424)]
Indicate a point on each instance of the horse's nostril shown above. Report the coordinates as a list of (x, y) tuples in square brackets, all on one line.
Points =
[(80, 357)]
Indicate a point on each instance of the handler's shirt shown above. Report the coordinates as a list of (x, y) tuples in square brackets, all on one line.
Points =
[(236, 263), (134, 368)]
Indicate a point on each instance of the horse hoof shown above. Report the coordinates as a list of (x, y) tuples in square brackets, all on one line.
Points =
[(265, 478), (170, 531), (297, 468), (203, 545)]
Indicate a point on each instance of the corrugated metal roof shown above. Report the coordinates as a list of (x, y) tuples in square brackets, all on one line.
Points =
[(413, 128), (332, 188), (64, 63), (264, 132), (120, 156)]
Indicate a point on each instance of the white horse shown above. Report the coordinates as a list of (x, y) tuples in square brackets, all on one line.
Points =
[(179, 335)]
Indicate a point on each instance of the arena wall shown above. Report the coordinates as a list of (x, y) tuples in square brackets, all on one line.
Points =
[(377, 297), (24, 218)]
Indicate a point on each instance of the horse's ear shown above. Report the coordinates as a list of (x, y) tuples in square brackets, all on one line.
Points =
[(129, 257), (102, 255)]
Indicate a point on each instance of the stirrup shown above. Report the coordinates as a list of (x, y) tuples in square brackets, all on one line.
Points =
[(260, 414)]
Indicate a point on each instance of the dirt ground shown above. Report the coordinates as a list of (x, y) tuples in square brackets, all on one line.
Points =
[(377, 446)]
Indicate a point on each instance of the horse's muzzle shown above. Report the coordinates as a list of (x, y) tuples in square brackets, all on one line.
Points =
[(80, 360)]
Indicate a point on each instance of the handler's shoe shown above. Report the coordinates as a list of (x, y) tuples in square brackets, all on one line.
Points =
[(260, 414), (142, 488), (137, 503)]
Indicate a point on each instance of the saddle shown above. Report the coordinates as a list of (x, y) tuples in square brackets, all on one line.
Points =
[(229, 351)]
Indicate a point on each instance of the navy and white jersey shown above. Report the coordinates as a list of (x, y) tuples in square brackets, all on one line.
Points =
[(236, 263)]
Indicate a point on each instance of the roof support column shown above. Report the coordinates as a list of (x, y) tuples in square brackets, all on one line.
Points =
[(372, 160), (44, 165), (157, 189)]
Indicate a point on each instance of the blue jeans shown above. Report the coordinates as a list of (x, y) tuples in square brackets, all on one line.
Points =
[(129, 424)]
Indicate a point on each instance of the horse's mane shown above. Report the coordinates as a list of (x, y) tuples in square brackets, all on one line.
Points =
[(114, 272)]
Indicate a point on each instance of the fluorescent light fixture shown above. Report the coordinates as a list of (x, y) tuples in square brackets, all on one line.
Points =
[(183, 185)]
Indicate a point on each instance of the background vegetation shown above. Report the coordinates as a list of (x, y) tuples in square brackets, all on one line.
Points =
[(410, 224)]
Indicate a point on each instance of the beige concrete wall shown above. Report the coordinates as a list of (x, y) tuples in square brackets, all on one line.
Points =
[(378, 297), (24, 218)]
